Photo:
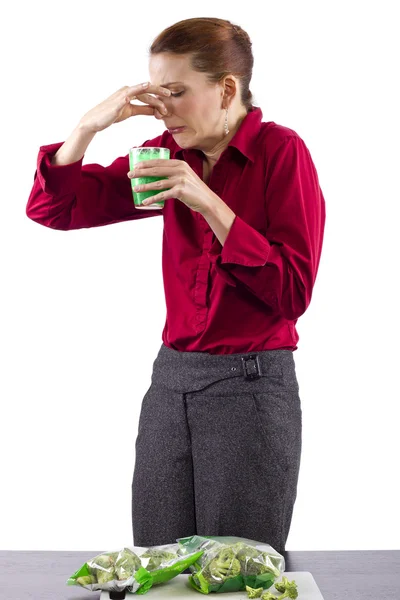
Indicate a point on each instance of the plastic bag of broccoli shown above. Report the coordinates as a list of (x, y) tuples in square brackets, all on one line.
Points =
[(229, 564), (134, 571), (165, 562), (115, 572)]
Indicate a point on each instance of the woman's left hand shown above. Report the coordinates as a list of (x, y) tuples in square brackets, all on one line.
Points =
[(183, 182)]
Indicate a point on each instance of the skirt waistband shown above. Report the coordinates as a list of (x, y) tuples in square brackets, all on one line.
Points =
[(191, 371)]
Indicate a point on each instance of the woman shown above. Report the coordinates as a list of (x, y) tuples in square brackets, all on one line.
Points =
[(219, 438)]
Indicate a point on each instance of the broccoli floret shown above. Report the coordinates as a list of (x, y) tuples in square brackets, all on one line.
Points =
[(222, 566), (253, 592), (104, 560), (287, 589), (268, 596), (102, 566), (126, 564), (105, 576), (254, 561), (86, 580), (157, 557)]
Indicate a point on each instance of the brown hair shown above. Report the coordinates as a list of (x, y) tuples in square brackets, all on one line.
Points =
[(217, 48)]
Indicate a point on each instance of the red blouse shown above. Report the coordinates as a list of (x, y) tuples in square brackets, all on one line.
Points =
[(244, 296)]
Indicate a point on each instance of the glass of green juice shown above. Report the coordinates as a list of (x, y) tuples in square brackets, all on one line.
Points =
[(136, 155)]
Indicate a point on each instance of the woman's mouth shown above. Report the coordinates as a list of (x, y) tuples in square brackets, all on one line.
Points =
[(177, 129)]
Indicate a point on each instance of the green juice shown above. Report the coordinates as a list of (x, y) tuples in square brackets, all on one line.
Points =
[(136, 155)]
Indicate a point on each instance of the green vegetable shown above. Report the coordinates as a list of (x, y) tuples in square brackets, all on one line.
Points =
[(157, 557), (86, 580), (105, 576), (126, 564), (102, 567), (104, 560), (288, 589), (268, 596), (254, 561), (230, 563), (254, 593), (224, 565), (106, 571)]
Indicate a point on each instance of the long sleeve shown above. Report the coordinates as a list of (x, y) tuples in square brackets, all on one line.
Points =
[(75, 196), (279, 267)]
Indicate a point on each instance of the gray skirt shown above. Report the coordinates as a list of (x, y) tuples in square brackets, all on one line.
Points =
[(218, 448)]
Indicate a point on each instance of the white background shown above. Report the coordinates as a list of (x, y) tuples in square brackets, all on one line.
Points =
[(82, 311)]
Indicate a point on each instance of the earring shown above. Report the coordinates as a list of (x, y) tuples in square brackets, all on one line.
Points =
[(226, 122)]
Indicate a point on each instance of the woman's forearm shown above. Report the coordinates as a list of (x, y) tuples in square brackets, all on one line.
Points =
[(74, 147)]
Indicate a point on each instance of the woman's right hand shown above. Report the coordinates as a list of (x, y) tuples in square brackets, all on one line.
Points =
[(118, 107)]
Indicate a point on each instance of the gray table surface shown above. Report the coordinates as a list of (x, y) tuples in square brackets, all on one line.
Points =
[(340, 575)]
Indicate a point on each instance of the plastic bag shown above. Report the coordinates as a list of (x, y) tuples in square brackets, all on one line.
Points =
[(113, 571), (134, 571), (229, 564), (165, 562)]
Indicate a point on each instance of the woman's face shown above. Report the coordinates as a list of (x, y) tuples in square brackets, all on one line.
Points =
[(194, 103)]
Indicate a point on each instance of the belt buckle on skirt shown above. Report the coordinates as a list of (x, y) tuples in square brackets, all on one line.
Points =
[(251, 367)]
